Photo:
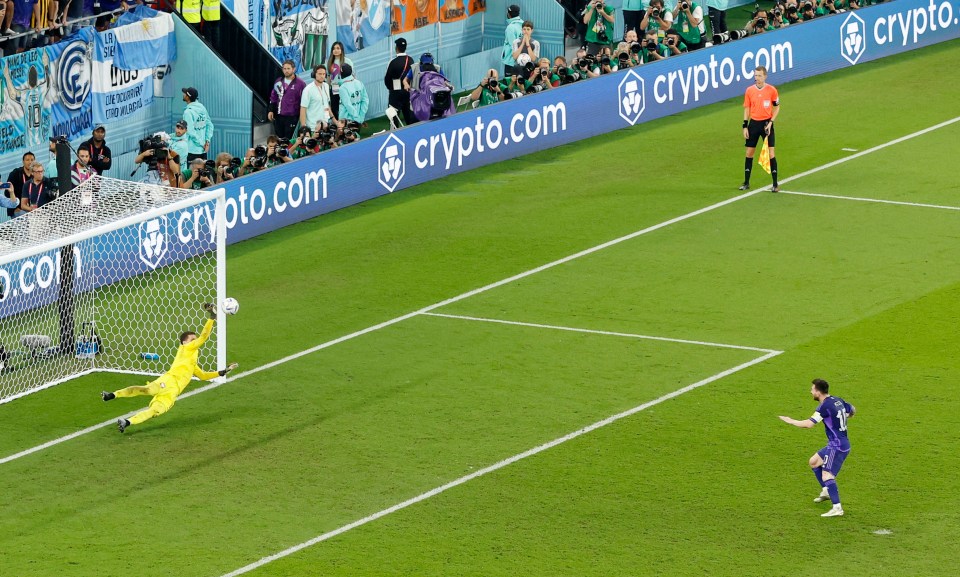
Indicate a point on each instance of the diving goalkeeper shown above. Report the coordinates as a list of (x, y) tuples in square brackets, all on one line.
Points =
[(168, 386)]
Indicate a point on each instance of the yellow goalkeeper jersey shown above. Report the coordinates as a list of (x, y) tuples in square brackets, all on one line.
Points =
[(185, 367)]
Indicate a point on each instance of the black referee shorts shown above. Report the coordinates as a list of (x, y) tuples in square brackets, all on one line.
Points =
[(756, 130)]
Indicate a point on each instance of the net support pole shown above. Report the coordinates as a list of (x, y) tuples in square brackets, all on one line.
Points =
[(221, 224), (66, 305)]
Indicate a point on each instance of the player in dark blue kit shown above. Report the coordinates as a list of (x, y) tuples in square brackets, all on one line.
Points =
[(826, 462)]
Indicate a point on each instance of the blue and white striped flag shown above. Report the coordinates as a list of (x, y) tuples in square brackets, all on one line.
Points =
[(149, 43)]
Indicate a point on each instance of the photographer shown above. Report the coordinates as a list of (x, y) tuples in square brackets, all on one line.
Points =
[(599, 19), (305, 145), (655, 18), (653, 50), (807, 11), (760, 23), (264, 156), (674, 43), (688, 22), (228, 167), (825, 7), (605, 61), (541, 78), (628, 54), (163, 163), (200, 174), (489, 91), (791, 12), (526, 45)]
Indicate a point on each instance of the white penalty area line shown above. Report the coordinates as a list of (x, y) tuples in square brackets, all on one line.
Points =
[(604, 333), (482, 289), (495, 467), (873, 200)]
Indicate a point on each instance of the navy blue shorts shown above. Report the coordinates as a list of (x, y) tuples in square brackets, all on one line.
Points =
[(832, 459)]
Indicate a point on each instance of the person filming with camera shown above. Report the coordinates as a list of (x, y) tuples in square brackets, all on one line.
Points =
[(599, 19), (163, 163), (228, 167), (489, 91), (653, 50), (655, 18), (674, 43), (688, 22), (760, 23), (200, 175), (808, 11)]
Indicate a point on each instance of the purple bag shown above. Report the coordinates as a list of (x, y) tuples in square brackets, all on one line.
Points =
[(433, 98)]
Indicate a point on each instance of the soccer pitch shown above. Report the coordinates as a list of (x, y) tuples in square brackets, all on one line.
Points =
[(570, 363)]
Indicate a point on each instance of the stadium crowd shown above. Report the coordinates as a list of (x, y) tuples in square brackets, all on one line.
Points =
[(330, 110)]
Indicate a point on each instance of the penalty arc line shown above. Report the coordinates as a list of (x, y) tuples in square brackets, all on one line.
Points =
[(495, 467), (485, 288)]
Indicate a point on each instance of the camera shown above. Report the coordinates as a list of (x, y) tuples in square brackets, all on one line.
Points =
[(529, 68), (807, 5), (655, 12), (623, 57), (544, 73), (534, 88), (761, 23), (235, 163), (605, 61), (154, 143), (602, 37), (492, 83), (209, 167), (684, 6), (310, 143), (259, 159), (654, 45), (635, 48), (670, 41)]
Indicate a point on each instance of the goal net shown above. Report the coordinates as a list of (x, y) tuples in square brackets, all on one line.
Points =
[(105, 278)]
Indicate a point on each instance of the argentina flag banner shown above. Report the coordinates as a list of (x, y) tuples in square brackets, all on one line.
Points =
[(148, 43)]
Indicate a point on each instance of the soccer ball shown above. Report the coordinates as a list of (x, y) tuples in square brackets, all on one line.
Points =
[(230, 306), (523, 59)]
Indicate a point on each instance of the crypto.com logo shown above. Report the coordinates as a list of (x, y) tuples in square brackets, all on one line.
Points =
[(630, 97), (390, 162), (73, 75), (153, 241), (853, 39)]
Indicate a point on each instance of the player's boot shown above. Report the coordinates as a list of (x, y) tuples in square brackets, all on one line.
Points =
[(107, 396), (122, 424), (824, 496), (775, 189), (835, 511), (744, 186)]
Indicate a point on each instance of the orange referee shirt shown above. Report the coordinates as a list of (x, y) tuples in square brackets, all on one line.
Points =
[(760, 101)]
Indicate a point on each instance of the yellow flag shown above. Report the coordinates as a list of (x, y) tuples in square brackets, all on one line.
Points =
[(765, 156)]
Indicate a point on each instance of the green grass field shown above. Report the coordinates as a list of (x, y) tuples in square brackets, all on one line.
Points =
[(339, 447)]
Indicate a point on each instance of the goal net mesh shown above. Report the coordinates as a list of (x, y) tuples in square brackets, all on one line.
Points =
[(105, 278)]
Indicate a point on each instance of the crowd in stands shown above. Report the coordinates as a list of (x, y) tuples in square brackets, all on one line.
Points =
[(330, 110), (28, 24)]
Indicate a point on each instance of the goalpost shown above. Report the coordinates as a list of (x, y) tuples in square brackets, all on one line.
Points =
[(105, 278)]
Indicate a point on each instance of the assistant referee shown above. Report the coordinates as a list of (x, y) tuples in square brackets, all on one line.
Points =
[(761, 104)]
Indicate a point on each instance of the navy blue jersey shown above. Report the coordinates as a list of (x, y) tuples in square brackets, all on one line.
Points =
[(834, 411)]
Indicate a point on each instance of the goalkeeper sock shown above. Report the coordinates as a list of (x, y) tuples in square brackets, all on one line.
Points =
[(747, 167), (773, 170)]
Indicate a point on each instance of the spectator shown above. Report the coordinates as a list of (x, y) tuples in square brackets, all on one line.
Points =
[(178, 142), (656, 18), (100, 157), (163, 163), (81, 170), (21, 22), (688, 22), (397, 80), (599, 19), (7, 199), (285, 101), (6, 18), (525, 45), (674, 43), (37, 191), (511, 34), (353, 97), (199, 175), (336, 61), (489, 91), (199, 125), (632, 16), (315, 102), (20, 175), (228, 167)]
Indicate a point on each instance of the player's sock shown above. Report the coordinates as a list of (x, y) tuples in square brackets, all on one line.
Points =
[(818, 472), (831, 485), (773, 171), (747, 167)]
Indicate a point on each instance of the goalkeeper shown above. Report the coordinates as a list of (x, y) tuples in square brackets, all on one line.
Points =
[(168, 386)]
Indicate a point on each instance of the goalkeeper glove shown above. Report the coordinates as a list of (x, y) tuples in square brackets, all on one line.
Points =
[(230, 367), (211, 310)]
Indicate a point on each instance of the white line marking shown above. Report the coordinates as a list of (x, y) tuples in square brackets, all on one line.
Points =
[(494, 467), (468, 294), (606, 333), (849, 149), (876, 200)]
